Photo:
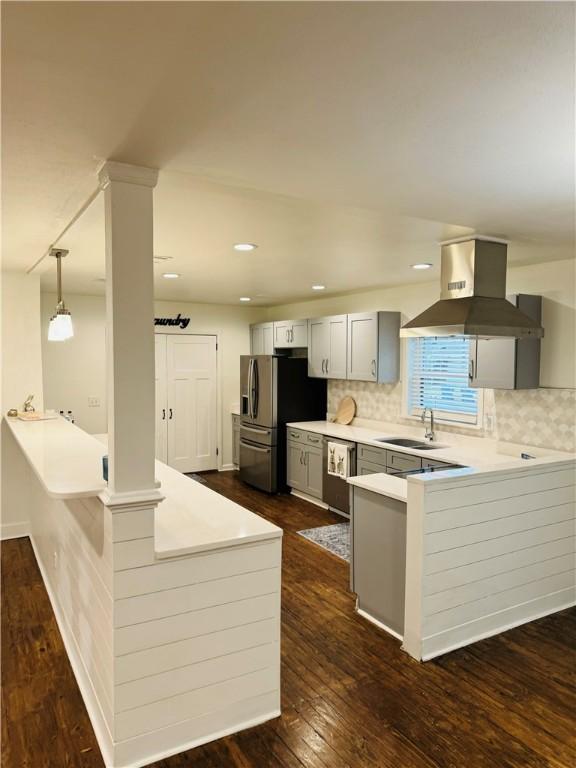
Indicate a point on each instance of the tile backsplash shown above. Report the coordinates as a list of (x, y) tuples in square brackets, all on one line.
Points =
[(540, 417)]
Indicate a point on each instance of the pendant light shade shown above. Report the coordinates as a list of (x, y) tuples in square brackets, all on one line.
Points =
[(60, 327)]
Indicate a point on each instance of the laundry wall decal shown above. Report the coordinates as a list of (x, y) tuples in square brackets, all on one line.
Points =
[(180, 321)]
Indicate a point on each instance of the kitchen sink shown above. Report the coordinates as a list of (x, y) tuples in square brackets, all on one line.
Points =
[(406, 442)]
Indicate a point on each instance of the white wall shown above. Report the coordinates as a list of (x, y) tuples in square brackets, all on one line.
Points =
[(21, 367), (75, 370), (555, 281)]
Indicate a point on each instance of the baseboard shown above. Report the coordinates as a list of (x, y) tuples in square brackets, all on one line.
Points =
[(557, 605), (379, 624), (14, 530), (227, 467), (95, 714), (306, 497)]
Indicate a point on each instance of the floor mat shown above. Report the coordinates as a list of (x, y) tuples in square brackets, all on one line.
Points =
[(334, 538)]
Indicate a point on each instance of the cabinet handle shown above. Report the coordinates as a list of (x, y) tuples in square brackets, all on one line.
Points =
[(287, 335), (170, 413), (305, 459), (163, 414), (300, 457), (313, 440), (471, 369), (292, 335), (374, 368), (327, 364)]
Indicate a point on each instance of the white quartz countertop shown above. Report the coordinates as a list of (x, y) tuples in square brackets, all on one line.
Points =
[(480, 453), (385, 485), (193, 518), (66, 460)]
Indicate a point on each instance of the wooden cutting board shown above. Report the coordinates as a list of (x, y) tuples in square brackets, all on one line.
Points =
[(346, 410)]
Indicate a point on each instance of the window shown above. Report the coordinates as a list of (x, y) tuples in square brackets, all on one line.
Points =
[(438, 379)]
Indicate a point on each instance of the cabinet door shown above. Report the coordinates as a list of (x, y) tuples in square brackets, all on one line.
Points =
[(282, 334), (235, 440), (267, 339), (337, 335), (362, 363), (299, 333), (318, 347), (492, 363), (295, 467), (313, 465), (256, 340), (161, 398)]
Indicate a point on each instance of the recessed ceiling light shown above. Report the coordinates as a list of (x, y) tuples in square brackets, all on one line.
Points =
[(421, 266), (245, 298), (318, 287), (245, 246), (171, 275)]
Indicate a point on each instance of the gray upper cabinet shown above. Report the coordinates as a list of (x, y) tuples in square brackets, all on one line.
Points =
[(262, 339), (327, 352), (373, 347), (290, 333), (508, 363)]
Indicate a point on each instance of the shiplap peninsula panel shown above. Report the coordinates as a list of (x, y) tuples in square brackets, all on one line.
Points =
[(488, 551), (192, 634), (169, 651)]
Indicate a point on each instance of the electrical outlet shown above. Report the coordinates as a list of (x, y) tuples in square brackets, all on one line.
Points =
[(488, 422), (94, 402)]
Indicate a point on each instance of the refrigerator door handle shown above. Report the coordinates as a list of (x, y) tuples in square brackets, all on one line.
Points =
[(249, 385), (255, 447), (256, 429), (255, 387)]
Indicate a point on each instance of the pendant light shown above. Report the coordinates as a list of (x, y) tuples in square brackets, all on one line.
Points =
[(60, 327)]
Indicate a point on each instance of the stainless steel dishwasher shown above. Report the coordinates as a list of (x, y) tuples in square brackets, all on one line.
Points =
[(335, 490)]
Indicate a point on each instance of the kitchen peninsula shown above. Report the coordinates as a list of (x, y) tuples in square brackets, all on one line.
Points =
[(443, 558), (171, 617)]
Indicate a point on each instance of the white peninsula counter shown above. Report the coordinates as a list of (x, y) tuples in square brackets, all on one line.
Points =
[(170, 616)]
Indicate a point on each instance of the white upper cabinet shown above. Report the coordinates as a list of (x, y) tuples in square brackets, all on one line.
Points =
[(327, 347), (373, 347), (262, 339), (290, 333)]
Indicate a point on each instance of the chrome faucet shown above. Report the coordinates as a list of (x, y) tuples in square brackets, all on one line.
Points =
[(429, 434)]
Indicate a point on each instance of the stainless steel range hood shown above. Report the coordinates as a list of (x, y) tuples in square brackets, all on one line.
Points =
[(473, 296)]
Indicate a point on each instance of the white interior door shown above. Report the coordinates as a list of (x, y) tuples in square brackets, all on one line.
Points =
[(161, 399), (191, 376)]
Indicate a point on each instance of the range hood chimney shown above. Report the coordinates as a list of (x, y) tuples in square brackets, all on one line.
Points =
[(473, 296)]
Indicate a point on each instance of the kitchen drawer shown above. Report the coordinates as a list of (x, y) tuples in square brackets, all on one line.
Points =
[(296, 435), (312, 438), (433, 463), (375, 455), (403, 461), (364, 467)]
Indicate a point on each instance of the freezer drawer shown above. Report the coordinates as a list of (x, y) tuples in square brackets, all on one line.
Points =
[(258, 465), (253, 433)]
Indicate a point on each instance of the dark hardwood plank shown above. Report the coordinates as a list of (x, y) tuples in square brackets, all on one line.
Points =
[(350, 697)]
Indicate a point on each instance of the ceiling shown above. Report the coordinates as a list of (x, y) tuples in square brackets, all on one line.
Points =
[(344, 138)]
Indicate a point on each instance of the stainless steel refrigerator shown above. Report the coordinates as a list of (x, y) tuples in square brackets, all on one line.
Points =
[(274, 390)]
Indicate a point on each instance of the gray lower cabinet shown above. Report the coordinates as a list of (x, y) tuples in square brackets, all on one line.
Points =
[(378, 557), (236, 440), (304, 463)]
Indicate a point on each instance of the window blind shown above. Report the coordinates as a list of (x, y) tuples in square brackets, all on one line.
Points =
[(438, 378)]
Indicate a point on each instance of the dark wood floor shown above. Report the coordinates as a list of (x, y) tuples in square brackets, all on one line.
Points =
[(350, 697)]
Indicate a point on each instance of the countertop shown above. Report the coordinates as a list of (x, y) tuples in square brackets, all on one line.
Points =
[(191, 518), (385, 485), (66, 460), (476, 452)]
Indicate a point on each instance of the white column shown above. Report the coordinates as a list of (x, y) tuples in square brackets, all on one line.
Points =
[(128, 194)]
